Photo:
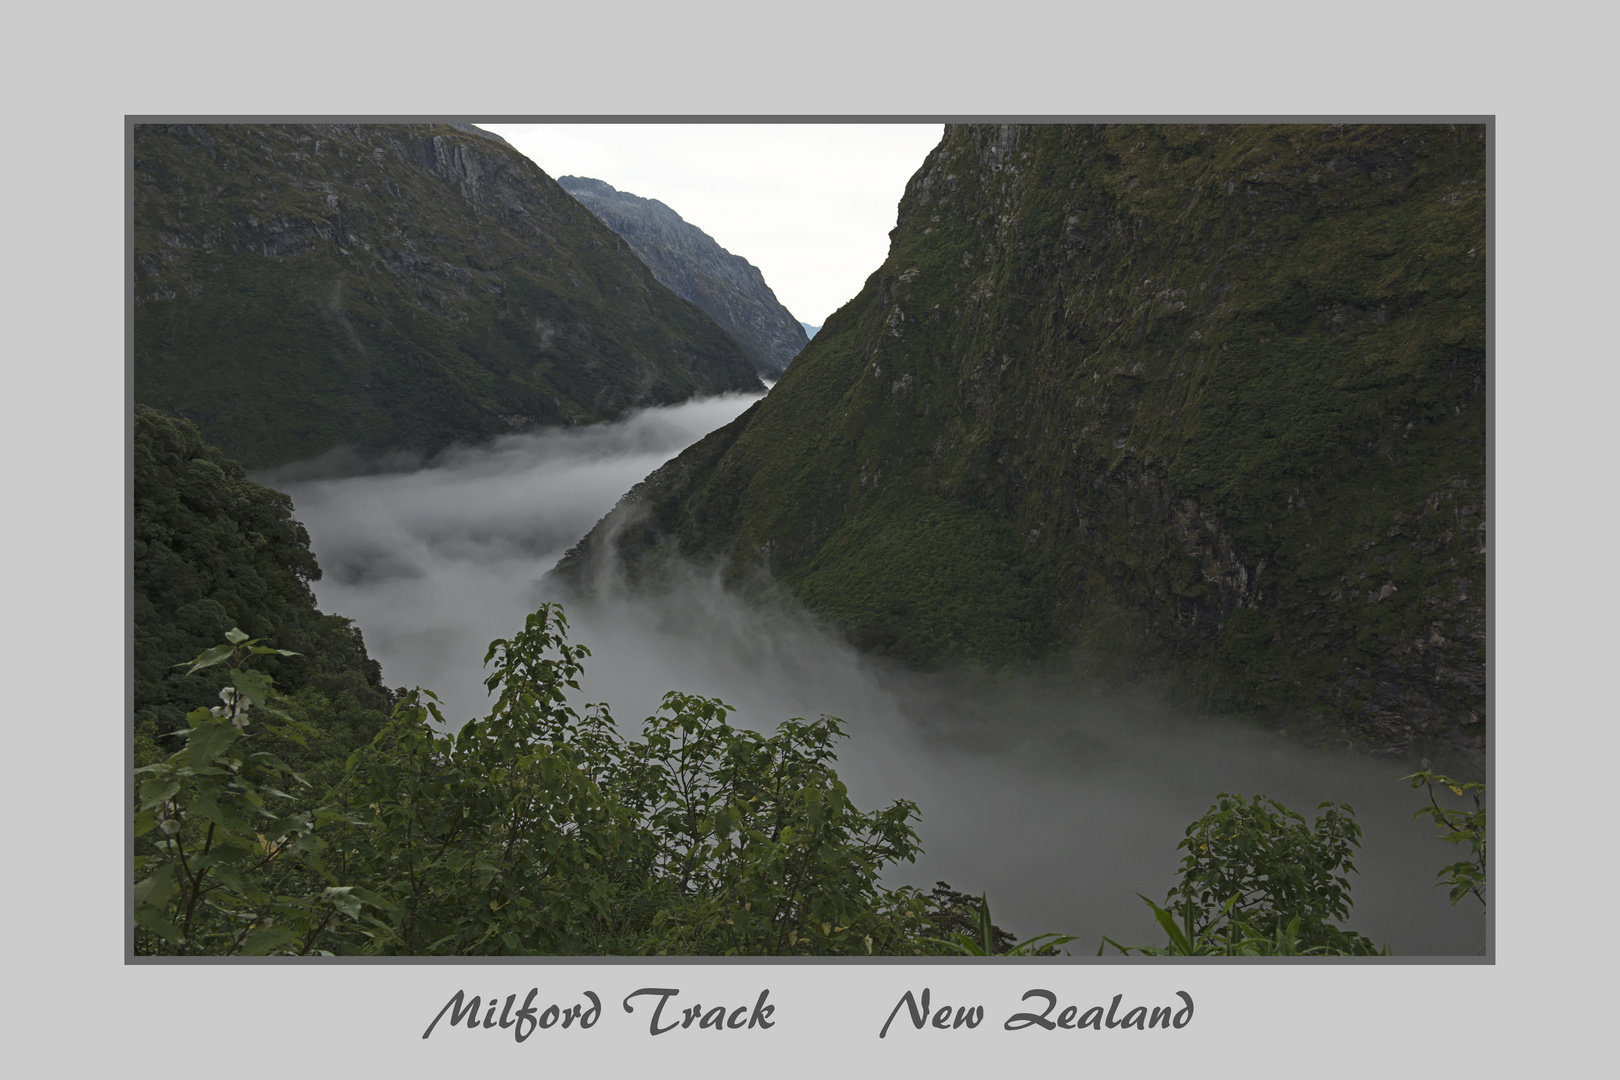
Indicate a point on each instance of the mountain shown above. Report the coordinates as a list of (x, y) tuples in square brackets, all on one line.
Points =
[(809, 331), (474, 129), (1205, 404), (302, 286), (687, 260)]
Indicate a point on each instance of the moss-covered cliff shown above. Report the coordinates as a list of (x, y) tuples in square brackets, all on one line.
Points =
[(1204, 401), (300, 287)]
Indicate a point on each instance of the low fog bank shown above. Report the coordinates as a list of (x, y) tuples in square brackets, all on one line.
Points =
[(436, 559), (1058, 801)]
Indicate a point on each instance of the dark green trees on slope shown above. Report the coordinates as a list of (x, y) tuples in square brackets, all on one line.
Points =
[(390, 287), (1198, 400), (213, 551), (534, 830)]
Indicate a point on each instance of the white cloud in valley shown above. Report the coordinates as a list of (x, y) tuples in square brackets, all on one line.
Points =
[(1058, 801)]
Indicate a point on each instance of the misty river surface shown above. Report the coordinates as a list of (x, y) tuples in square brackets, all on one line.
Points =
[(1060, 803)]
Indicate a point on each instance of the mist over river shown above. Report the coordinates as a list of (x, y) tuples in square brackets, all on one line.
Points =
[(1059, 802)]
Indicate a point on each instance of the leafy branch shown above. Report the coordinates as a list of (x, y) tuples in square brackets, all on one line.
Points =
[(1458, 826)]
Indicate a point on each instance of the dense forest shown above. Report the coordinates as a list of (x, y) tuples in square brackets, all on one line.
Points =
[(215, 551)]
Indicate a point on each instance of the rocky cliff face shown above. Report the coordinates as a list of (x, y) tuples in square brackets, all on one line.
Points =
[(299, 287), (687, 260), (1202, 403)]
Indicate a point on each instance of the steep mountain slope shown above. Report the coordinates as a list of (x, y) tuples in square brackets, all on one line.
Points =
[(1207, 402), (687, 260), (298, 287)]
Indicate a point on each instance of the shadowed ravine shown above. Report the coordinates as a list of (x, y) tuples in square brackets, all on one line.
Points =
[(1059, 802)]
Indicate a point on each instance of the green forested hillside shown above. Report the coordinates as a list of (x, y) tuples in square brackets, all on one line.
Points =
[(213, 551), (390, 287), (1202, 401)]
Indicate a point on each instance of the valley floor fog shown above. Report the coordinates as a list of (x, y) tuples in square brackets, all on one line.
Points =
[(1058, 802)]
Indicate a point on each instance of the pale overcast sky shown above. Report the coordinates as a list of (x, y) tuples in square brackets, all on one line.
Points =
[(811, 205)]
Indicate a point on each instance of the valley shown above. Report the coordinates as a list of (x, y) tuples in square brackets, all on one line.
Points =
[(1057, 797), (1148, 466)]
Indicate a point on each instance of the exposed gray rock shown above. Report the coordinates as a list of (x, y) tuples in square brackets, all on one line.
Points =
[(687, 261)]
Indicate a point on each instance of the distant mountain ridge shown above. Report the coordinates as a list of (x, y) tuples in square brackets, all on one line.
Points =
[(298, 287), (810, 331), (688, 261)]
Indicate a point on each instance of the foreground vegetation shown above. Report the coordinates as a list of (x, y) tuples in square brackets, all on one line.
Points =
[(539, 829), (536, 829)]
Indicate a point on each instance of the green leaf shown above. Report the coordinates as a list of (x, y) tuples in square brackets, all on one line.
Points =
[(156, 889), (262, 941), (229, 877), (228, 849), (235, 636), (1179, 941), (342, 898), (208, 741), (369, 897), (153, 919), (209, 810), (254, 685), (208, 659), (157, 790)]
